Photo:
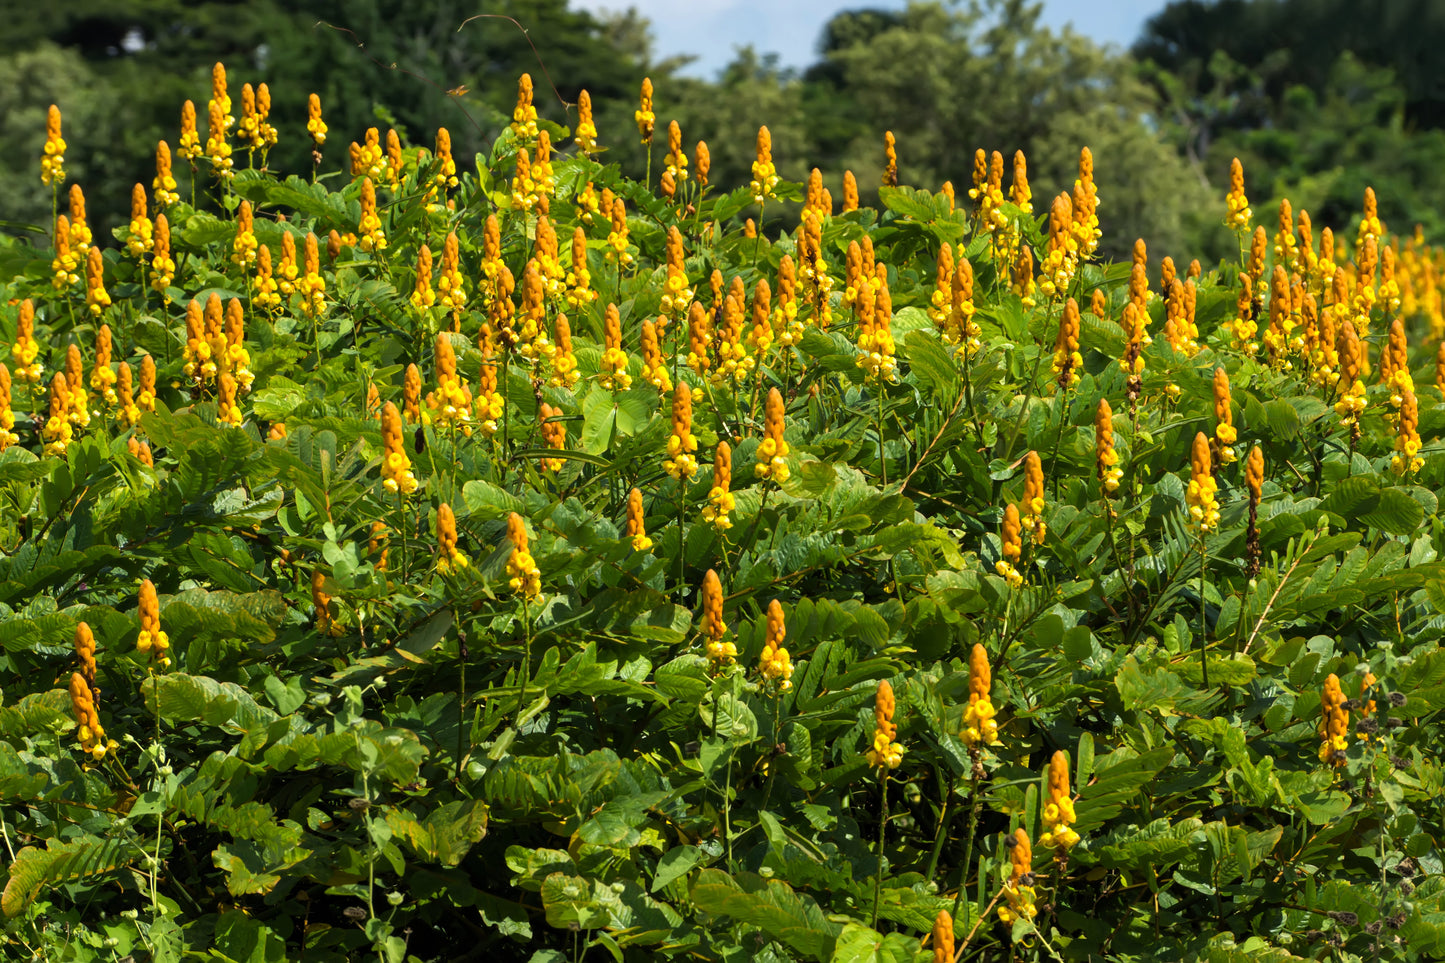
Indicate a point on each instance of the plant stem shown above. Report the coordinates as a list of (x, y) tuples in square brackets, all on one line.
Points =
[(973, 804), (941, 832), (1203, 638), (882, 827)]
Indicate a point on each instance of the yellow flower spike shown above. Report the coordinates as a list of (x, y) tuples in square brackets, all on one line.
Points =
[(1334, 722), (243, 247), (96, 297), (411, 394), (66, 262), (699, 339), (765, 175), (321, 601), (979, 725), (227, 411), (885, 753), (1238, 213), (145, 397), (1023, 277), (311, 285), (554, 434), (524, 115), (940, 303), (720, 653), (617, 236), (720, 501), (1243, 327), (315, 126), (80, 235), (1058, 814), (1105, 457), (423, 296), (980, 174), (450, 406), (1031, 506), (1086, 206), (396, 473), (79, 413), (141, 450), (875, 339), (646, 119), (1406, 459), (218, 148), (564, 363), (266, 133), (127, 411), (614, 375), (1224, 433), (1011, 537), (636, 529), (88, 729), (1277, 335), (523, 576), (681, 461), (773, 450), (140, 233), (1020, 195), (52, 161), (890, 160), (189, 145), (1254, 473), (775, 665), (1056, 271), (449, 558), (586, 134), (1351, 403), (703, 163), (1067, 360), (248, 131), (85, 652), (219, 97), (1440, 366), (1167, 273), (1202, 496), (946, 189), (677, 292), (675, 159), (451, 289), (8, 436), (850, 192), (1371, 228), (783, 309), (654, 368), (489, 404), (26, 350), (57, 431), (1019, 891), (102, 378), (579, 278), (152, 640), (372, 237), (376, 545), (943, 937)]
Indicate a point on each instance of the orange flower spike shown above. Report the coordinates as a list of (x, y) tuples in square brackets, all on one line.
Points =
[(1031, 506), (636, 529), (1011, 539), (720, 653), (850, 192), (1105, 456), (681, 461), (449, 558), (1254, 473), (52, 162), (523, 576), (152, 640), (1334, 722), (1202, 496), (1058, 814), (885, 754), (773, 450), (396, 472), (943, 937), (1224, 431)]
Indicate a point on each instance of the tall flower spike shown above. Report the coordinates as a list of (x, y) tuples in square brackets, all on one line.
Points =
[(1224, 433), (152, 640), (1239, 214), (765, 175), (1406, 459), (646, 119), (721, 653), (189, 145), (586, 128), (1031, 506), (7, 415), (1019, 891), (523, 576), (396, 473), (449, 558), (1351, 403), (885, 753), (372, 237), (26, 349), (1334, 722), (97, 299), (943, 937), (218, 147), (850, 192), (554, 434), (1058, 815), (775, 665), (773, 450), (979, 726), (57, 432), (1011, 539), (681, 461), (80, 233), (88, 729), (315, 126), (311, 285), (890, 160), (1067, 360), (127, 411), (720, 501), (654, 369), (636, 529), (1202, 496), (140, 238), (1254, 482), (614, 375), (524, 115), (52, 162), (1105, 457), (102, 378)]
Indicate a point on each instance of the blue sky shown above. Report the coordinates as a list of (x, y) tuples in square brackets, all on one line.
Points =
[(712, 29)]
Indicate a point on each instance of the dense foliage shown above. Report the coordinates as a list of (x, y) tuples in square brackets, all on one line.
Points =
[(438, 558)]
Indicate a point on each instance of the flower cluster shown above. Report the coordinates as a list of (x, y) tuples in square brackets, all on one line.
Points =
[(152, 640), (681, 461), (1019, 895), (52, 163), (774, 664), (1058, 815), (449, 558), (1203, 494), (396, 473), (885, 753), (1011, 539), (636, 529), (720, 501), (720, 653), (979, 727), (523, 576), (1334, 722), (1106, 458)]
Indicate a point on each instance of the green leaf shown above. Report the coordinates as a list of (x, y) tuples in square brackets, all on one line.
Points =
[(35, 868), (770, 905), (860, 944)]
